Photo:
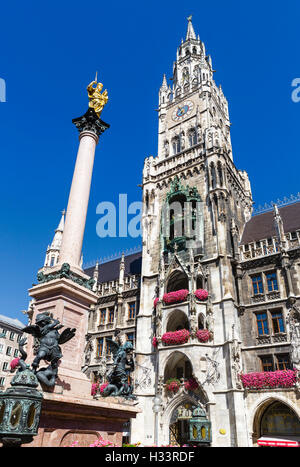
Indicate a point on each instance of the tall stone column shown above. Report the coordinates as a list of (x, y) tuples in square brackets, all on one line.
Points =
[(90, 128)]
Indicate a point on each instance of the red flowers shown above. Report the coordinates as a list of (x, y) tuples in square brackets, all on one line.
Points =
[(269, 379), (102, 387), (201, 294), (173, 385), (176, 337), (94, 389), (156, 300), (191, 384), (14, 363), (154, 342), (203, 335), (175, 297)]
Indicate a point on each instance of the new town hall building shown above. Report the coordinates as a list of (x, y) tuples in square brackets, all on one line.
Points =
[(228, 340)]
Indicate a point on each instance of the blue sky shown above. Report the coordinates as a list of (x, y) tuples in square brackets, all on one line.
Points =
[(50, 52)]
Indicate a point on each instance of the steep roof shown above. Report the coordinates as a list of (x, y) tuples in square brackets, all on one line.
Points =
[(110, 271), (262, 226), (11, 322)]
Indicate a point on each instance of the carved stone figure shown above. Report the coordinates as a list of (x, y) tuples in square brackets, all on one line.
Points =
[(118, 377), (294, 325), (236, 361), (46, 332)]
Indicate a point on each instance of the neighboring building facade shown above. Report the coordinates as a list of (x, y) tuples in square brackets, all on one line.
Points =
[(199, 235), (9, 345)]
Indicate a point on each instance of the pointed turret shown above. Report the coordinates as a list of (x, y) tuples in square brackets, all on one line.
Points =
[(190, 34), (53, 250)]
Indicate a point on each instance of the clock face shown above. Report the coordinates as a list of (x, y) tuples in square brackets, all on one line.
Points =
[(182, 111)]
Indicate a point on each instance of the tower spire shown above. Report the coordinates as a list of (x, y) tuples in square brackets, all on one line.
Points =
[(190, 34), (53, 250)]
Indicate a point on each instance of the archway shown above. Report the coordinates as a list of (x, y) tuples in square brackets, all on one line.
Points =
[(177, 281), (275, 423), (177, 320), (179, 423), (178, 366)]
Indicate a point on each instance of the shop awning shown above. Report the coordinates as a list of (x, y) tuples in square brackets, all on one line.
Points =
[(289, 441)]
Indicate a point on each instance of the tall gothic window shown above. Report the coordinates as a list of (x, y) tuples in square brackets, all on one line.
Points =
[(176, 145), (272, 281), (131, 310), (262, 324), (277, 321), (192, 137), (257, 284)]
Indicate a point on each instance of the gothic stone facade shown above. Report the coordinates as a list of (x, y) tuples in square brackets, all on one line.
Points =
[(248, 265)]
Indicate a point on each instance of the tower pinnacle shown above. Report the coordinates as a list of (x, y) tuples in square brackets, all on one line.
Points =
[(190, 34)]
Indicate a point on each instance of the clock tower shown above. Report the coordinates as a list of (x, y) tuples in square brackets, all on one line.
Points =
[(195, 205)]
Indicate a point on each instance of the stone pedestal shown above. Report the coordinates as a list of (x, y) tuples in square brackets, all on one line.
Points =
[(65, 420), (70, 303)]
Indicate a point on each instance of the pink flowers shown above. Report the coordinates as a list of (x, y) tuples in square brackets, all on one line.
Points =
[(176, 337), (175, 297), (14, 363), (102, 387), (173, 385), (156, 300), (203, 335), (201, 294), (99, 443), (94, 389), (154, 342), (191, 384), (269, 379)]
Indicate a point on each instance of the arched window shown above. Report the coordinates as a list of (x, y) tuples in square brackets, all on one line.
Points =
[(176, 145), (279, 420), (192, 137), (213, 175), (220, 174)]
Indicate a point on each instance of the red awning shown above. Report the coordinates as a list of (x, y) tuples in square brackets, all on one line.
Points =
[(290, 441)]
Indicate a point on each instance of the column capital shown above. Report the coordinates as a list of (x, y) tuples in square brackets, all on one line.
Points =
[(90, 122)]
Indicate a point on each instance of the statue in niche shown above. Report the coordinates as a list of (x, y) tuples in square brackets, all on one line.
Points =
[(294, 324), (48, 345), (236, 360), (158, 317)]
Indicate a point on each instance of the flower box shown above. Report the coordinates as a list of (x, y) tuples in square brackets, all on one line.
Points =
[(175, 297), (191, 384), (269, 379), (173, 385), (201, 294), (176, 337), (203, 335)]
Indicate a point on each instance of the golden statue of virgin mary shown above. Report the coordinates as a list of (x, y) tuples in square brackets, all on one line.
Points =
[(97, 100)]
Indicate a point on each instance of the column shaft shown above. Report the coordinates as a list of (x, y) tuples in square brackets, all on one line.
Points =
[(78, 200)]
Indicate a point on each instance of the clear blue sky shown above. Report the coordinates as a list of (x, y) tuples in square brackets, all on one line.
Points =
[(50, 52)]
